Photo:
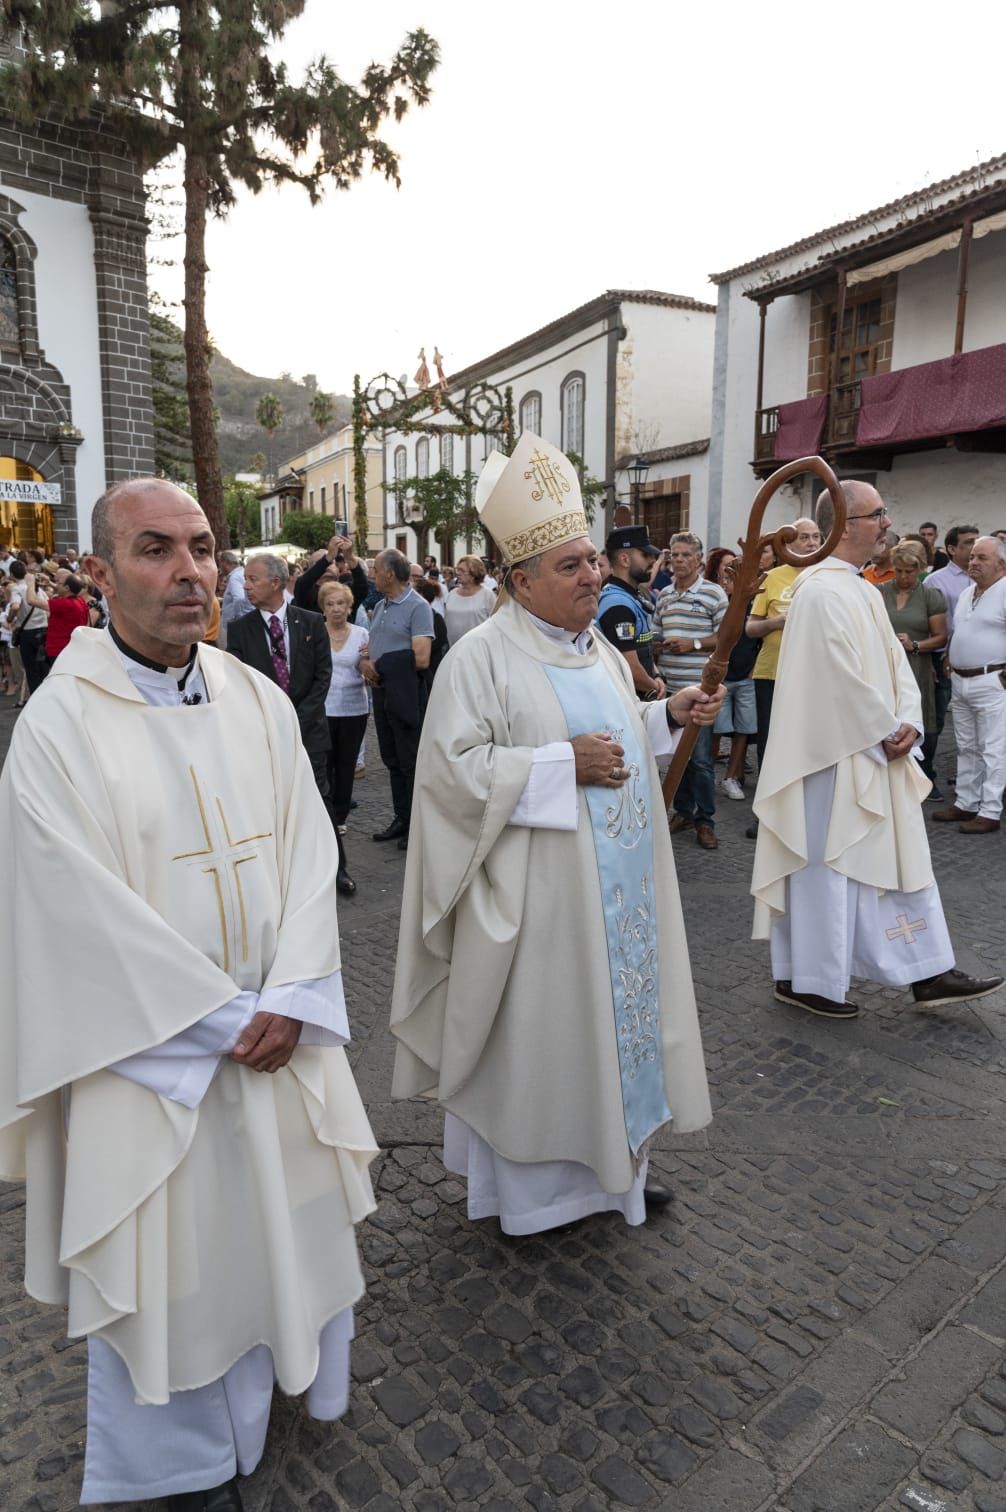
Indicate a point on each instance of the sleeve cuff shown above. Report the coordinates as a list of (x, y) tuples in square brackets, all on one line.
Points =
[(663, 740), (549, 799), (320, 1004), (183, 1067)]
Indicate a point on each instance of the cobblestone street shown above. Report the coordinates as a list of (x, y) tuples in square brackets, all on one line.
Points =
[(817, 1324)]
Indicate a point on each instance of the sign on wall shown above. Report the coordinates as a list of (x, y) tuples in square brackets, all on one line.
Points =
[(21, 491)]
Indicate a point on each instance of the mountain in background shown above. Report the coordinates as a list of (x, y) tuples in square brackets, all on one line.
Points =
[(236, 394)]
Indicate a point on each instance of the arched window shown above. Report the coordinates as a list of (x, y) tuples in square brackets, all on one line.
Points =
[(571, 406), (10, 324), (400, 469), (530, 414), (423, 457), (447, 451)]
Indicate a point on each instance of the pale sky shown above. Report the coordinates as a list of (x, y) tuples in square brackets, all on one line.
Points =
[(569, 148)]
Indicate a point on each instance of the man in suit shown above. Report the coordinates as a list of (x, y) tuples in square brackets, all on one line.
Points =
[(290, 646)]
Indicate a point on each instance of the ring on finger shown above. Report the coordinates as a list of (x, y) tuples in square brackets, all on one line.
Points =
[(616, 773)]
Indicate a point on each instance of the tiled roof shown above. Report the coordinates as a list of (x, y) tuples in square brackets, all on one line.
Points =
[(575, 320), (977, 177), (664, 453)]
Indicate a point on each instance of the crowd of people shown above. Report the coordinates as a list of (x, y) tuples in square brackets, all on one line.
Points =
[(522, 716), (663, 608)]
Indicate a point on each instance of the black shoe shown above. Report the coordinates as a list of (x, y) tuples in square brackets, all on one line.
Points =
[(353, 803), (822, 1006), (752, 831), (343, 881), (953, 987), (657, 1197), (403, 844), (225, 1498), (394, 830)]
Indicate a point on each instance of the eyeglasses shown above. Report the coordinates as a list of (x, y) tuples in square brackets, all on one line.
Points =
[(877, 514)]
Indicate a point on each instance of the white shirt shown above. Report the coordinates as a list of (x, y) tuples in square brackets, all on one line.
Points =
[(347, 691), (979, 638)]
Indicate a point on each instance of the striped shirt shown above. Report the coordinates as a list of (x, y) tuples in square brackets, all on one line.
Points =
[(693, 613)]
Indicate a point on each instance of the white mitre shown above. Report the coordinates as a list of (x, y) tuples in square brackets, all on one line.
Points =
[(530, 501)]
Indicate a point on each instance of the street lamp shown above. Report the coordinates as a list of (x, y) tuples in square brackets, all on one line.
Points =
[(637, 477)]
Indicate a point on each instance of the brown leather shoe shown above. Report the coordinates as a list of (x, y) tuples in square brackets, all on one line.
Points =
[(979, 826), (679, 822), (706, 836), (947, 816)]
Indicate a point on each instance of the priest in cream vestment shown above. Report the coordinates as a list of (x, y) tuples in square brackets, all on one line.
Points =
[(172, 1079), (543, 993), (843, 880)]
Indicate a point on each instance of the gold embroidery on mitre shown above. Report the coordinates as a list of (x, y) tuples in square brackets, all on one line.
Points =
[(564, 527), (550, 481)]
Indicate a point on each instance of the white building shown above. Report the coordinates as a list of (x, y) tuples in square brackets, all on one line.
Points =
[(913, 395), (75, 398), (319, 480), (628, 373)]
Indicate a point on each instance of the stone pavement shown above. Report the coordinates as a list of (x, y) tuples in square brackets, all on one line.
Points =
[(816, 1325)]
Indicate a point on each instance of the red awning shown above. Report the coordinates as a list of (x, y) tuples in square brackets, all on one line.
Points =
[(801, 425), (962, 393)]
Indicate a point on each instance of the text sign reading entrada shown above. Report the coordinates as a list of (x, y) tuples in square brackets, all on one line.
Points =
[(21, 491)]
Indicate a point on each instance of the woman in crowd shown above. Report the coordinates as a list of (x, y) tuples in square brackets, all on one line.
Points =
[(67, 610), (471, 602), (737, 717), (28, 617), (919, 616), (428, 590), (346, 707)]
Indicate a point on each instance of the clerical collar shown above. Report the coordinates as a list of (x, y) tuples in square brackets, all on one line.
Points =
[(580, 640), (180, 674)]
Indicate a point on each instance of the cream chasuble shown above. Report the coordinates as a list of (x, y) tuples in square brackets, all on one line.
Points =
[(843, 686), (178, 856), (505, 1005)]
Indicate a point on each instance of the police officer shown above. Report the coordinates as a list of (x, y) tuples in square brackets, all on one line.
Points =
[(621, 613)]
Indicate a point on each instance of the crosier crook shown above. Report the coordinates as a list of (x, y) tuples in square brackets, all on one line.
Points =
[(747, 579)]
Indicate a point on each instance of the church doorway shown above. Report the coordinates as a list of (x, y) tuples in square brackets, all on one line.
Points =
[(24, 527)]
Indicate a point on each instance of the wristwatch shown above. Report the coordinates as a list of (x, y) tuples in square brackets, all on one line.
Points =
[(697, 644)]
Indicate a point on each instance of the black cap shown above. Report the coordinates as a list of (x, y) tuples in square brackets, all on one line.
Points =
[(630, 538)]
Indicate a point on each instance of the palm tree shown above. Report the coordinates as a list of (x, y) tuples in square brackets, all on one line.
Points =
[(322, 410), (269, 414)]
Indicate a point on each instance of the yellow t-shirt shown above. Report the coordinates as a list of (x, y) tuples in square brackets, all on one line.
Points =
[(773, 598)]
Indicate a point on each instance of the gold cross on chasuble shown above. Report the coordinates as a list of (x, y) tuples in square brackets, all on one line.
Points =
[(905, 931), (222, 859)]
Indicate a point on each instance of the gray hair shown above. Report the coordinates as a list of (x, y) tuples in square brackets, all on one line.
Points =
[(687, 538), (395, 562), (231, 558), (999, 545), (275, 567)]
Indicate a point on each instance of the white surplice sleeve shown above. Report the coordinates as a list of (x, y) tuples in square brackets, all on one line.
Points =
[(183, 1067), (549, 799)]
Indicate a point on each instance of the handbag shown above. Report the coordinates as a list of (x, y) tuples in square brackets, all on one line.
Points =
[(18, 631)]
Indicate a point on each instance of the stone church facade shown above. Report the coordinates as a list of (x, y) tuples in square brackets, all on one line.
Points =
[(75, 384)]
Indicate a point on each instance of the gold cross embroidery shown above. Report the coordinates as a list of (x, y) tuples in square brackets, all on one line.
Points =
[(904, 930), (545, 473), (223, 865)]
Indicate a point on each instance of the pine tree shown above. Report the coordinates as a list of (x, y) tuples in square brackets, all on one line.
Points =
[(194, 77)]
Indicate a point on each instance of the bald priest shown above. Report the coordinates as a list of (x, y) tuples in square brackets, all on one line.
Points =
[(542, 993), (172, 1078)]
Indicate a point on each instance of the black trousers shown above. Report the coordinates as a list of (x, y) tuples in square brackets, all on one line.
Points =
[(399, 745), (36, 663), (319, 766), (346, 732), (764, 692)]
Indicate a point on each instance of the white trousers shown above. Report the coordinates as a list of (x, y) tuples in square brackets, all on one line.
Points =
[(978, 707), (834, 929), (200, 1438), (528, 1198)]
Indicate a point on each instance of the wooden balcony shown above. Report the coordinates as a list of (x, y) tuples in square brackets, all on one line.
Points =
[(955, 401)]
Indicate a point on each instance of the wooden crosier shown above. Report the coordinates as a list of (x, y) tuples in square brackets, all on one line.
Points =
[(747, 579)]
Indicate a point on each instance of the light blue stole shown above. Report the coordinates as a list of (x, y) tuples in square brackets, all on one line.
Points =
[(623, 843)]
